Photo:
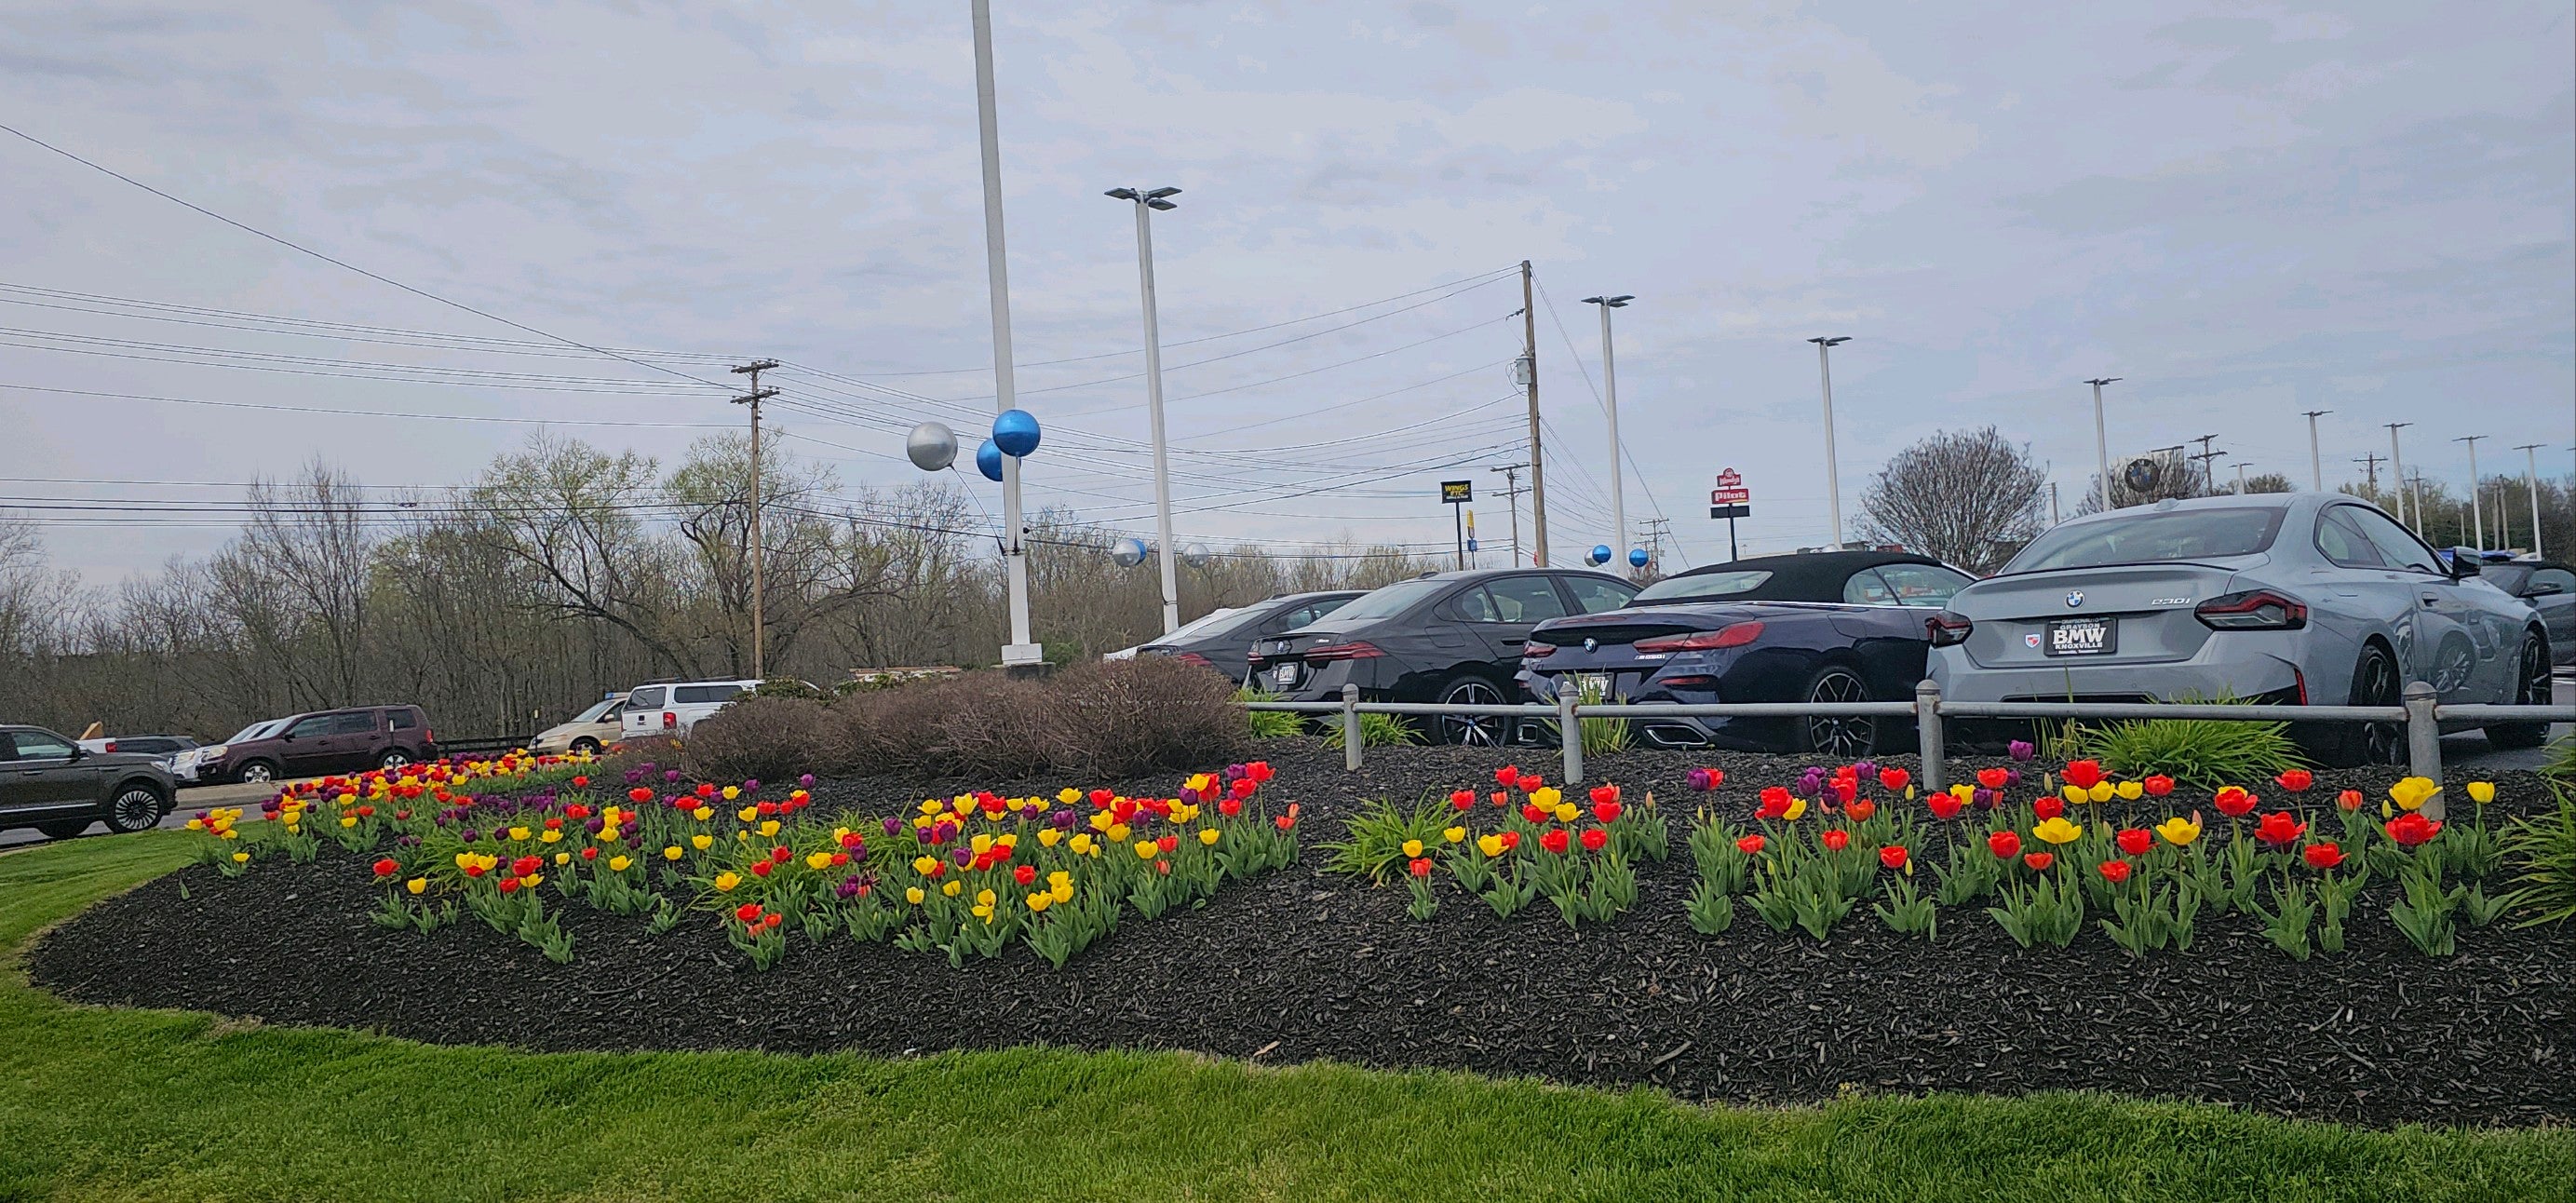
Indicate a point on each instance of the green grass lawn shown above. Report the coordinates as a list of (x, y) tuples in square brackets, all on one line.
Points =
[(101, 1104)]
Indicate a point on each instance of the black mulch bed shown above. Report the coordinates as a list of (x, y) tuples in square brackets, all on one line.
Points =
[(1296, 966)]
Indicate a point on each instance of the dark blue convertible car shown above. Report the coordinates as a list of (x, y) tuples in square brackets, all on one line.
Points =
[(1843, 626)]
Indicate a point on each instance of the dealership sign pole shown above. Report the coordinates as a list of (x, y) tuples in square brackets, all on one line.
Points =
[(1457, 493), (1730, 500)]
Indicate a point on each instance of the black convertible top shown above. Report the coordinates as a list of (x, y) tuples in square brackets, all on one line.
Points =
[(1816, 576)]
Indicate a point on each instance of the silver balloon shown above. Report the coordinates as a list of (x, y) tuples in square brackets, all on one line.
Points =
[(1127, 553), (1195, 555), (932, 446)]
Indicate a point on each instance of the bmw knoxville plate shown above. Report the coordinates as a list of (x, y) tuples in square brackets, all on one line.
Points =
[(2083, 637)]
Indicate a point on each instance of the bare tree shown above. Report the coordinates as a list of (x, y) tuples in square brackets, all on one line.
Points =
[(1966, 497)]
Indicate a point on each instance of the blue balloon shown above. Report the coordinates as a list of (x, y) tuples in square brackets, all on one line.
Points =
[(1637, 557), (1600, 553), (988, 460), (1015, 431)]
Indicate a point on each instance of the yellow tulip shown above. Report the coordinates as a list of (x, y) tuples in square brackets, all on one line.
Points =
[(2482, 792), (980, 844), (1082, 843), (230, 834), (1145, 849), (1490, 845), (702, 841), (1117, 833), (1567, 812), (727, 880), (703, 813), (1797, 807), (1101, 819), (1062, 891), (417, 885), (817, 861), (747, 814), (617, 864), (2058, 831), (932, 806), (924, 864), (1049, 837), (1964, 792), (563, 858), (1546, 797), (1454, 834), (984, 911), (1059, 877), (241, 858), (1068, 795), (2131, 791), (348, 820), (2412, 793), (732, 792), (1208, 836), (914, 895), (518, 833), (769, 827), (1038, 902), (2179, 831), (672, 853), (550, 837), (2074, 794), (951, 889), (196, 824), (985, 897), (2101, 792), (1412, 848)]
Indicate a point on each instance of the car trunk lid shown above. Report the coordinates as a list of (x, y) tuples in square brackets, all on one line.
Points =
[(2123, 614)]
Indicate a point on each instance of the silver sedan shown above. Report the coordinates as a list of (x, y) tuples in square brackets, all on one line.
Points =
[(2292, 598)]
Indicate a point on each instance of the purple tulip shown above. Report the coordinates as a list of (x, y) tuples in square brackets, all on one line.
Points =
[(849, 887), (1987, 799), (1866, 768), (1699, 779), (2022, 750), (2012, 776), (805, 782), (1233, 771), (962, 857), (469, 836), (893, 826), (945, 832), (671, 775), (751, 785), (1062, 819)]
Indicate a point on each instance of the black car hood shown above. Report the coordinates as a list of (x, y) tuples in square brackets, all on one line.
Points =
[(123, 759)]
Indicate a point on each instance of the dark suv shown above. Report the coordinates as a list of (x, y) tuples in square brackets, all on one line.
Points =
[(325, 741), (51, 784), (1451, 637)]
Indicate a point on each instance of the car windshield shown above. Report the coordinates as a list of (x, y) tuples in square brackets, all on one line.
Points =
[(1206, 623), (257, 730), (2508, 577), (1392, 600), (1709, 584), (597, 710), (2151, 537)]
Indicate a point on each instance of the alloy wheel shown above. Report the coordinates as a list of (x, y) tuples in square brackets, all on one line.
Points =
[(2381, 743), (1837, 735), (1486, 730), (258, 773), (134, 810)]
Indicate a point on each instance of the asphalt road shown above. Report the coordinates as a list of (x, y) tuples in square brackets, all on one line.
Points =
[(2464, 753)]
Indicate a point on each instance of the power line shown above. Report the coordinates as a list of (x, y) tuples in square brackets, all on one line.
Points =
[(361, 413)]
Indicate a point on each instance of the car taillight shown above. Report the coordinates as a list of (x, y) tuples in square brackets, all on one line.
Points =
[(1736, 635), (428, 735), (1357, 649), (111, 745), (1194, 658), (1946, 629), (1534, 650), (2253, 610), (670, 721), (1251, 657)]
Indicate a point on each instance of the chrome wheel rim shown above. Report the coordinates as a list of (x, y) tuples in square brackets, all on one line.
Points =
[(1837, 735), (393, 760), (135, 809), (1472, 729), (258, 772), (2380, 742), (2533, 690)]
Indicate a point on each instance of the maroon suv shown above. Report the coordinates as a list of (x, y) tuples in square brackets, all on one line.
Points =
[(326, 741)]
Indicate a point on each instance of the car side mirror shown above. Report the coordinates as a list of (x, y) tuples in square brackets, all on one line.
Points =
[(2545, 589), (286, 736), (2464, 564)]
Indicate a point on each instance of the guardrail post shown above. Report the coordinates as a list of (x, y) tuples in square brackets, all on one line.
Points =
[(1351, 727), (1927, 726), (2424, 741), (1569, 735)]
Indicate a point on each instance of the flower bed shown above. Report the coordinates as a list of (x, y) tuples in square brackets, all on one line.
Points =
[(1303, 964)]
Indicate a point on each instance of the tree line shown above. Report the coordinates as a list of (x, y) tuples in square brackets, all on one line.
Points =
[(564, 571)]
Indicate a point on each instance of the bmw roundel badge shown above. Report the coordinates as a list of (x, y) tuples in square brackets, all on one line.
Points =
[(2074, 597), (1592, 645)]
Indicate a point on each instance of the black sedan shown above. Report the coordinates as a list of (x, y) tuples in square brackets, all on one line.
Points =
[(1843, 626), (1226, 644), (2550, 587), (1451, 637), (58, 787)]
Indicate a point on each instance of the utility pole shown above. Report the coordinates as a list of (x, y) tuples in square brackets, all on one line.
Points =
[(2418, 501), (2053, 519), (1528, 369), (1512, 491), (1610, 406), (1147, 201), (2102, 440), (759, 548), (2316, 467), (2477, 492), (2205, 457), (1021, 651), (2531, 482), (2397, 465), (2370, 464), (1653, 531), (1833, 477)]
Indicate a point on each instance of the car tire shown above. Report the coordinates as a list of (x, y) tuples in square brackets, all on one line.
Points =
[(136, 807), (2375, 682), (1472, 689), (2531, 688), (585, 746), (393, 758), (1845, 739), (64, 829), (257, 772)]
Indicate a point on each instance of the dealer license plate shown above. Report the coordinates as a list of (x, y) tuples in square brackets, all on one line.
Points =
[(2083, 637), (1594, 686), (1285, 675)]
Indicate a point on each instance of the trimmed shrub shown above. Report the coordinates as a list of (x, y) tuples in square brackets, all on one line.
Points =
[(1109, 719), (1118, 718), (773, 739)]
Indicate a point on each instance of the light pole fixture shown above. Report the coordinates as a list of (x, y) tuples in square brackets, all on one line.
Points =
[(1610, 403), (2477, 503), (2531, 483), (1833, 477), (2316, 466), (1021, 651), (1146, 202), (2102, 439), (2397, 464)]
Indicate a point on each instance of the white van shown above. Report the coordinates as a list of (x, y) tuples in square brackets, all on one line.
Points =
[(673, 708)]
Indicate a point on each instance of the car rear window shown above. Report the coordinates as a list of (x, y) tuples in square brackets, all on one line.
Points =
[(705, 693), (147, 744), (358, 723), (401, 720), (645, 698), (2149, 536), (1711, 584)]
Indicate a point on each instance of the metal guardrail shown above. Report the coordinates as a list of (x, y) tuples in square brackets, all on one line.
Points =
[(497, 743), (2421, 714)]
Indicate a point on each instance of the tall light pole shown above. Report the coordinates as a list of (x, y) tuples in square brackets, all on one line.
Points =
[(2397, 464), (1147, 202), (2531, 483), (1833, 477), (1610, 394), (2102, 440), (2316, 466), (759, 546), (1021, 650), (2477, 502), (2241, 466)]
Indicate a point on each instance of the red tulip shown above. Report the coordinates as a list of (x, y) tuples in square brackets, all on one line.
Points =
[(1775, 802), (1287, 821), (1259, 771), (1462, 799), (2295, 780), (1024, 874), (387, 867), (1511, 840), (2280, 828), (839, 859), (772, 920), (1536, 813), (1594, 839), (1500, 799), (1861, 809), (1846, 791), (2136, 840), (748, 912), (2004, 844), (1245, 787), (590, 853), (2412, 828), (639, 794), (2234, 802), (1893, 780), (581, 783), (1893, 856), (1554, 841), (1994, 778), (2322, 855), (1605, 793), (2048, 806), (2114, 871), (1945, 805), (509, 885), (2348, 801), (1101, 798), (1419, 866), (1607, 812), (1230, 807), (1168, 843), (2157, 785), (1750, 845), (1529, 781), (474, 870), (780, 854), (524, 866), (1506, 775), (2039, 861), (577, 811), (706, 789), (2083, 774), (1837, 839), (761, 868)]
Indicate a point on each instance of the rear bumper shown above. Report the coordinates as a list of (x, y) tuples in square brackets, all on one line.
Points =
[(2241, 673)]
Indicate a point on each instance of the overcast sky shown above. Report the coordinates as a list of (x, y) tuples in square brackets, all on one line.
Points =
[(2243, 211)]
